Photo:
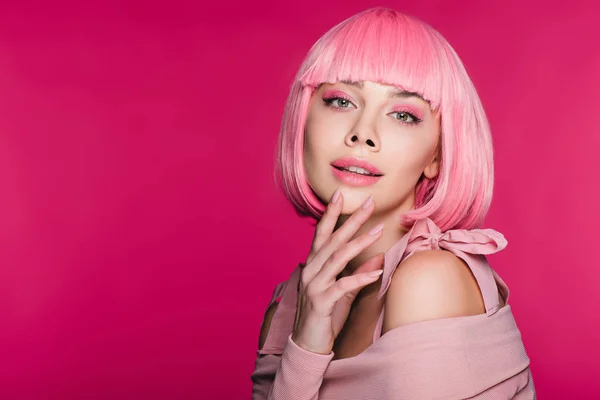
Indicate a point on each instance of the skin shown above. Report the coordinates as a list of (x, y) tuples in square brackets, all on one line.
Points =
[(337, 305), (402, 150)]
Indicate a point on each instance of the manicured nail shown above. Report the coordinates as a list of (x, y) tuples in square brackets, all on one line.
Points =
[(336, 196), (367, 203), (376, 229), (375, 274)]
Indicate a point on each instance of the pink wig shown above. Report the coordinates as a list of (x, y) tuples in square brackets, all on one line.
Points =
[(385, 46)]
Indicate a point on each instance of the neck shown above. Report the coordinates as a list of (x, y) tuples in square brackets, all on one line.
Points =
[(392, 233)]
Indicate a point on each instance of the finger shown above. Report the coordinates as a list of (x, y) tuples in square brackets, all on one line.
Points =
[(372, 264), (349, 285), (327, 223), (342, 307), (341, 257), (346, 232)]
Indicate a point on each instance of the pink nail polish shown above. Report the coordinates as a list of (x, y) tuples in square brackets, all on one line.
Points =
[(367, 203), (336, 196), (376, 229), (375, 274)]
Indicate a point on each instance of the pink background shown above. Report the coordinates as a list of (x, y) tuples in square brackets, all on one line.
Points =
[(141, 234)]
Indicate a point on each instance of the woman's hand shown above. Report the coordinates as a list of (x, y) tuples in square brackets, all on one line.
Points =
[(323, 301)]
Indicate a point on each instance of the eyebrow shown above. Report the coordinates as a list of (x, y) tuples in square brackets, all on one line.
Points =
[(392, 93)]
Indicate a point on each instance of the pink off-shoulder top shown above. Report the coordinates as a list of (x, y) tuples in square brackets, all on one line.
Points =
[(472, 357)]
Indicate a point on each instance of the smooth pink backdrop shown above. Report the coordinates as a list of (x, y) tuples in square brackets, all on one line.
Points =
[(141, 234)]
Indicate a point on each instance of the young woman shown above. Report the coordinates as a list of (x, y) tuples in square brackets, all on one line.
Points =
[(385, 143)]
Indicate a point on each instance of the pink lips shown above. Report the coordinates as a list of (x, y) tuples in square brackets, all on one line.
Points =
[(355, 179)]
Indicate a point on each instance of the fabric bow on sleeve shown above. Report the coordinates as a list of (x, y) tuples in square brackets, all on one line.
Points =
[(470, 245)]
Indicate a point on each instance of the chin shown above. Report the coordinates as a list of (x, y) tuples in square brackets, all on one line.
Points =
[(354, 198)]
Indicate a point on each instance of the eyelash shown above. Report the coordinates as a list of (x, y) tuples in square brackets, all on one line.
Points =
[(329, 100)]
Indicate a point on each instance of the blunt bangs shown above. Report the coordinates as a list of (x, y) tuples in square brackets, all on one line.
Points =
[(380, 46)]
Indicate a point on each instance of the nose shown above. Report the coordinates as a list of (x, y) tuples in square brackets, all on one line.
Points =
[(363, 138)]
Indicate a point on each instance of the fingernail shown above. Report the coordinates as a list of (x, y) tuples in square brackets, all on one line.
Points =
[(376, 229), (375, 274), (336, 196), (367, 203)]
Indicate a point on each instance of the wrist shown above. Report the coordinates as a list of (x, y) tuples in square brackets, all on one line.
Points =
[(311, 348)]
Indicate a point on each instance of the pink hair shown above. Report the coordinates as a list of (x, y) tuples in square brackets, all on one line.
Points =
[(385, 46)]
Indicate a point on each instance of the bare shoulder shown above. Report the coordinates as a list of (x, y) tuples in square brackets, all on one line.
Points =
[(431, 284), (266, 325)]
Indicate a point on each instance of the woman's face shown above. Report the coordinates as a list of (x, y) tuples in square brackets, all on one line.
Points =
[(390, 133)]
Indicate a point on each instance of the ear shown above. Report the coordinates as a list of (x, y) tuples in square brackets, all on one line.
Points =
[(433, 168)]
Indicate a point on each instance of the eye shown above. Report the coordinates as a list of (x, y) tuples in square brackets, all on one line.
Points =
[(338, 102), (406, 117)]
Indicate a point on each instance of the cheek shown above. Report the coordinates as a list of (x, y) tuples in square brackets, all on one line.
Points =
[(408, 155), (314, 148), (311, 146), (320, 137)]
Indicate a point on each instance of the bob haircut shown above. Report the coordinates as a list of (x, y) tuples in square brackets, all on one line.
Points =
[(385, 46)]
